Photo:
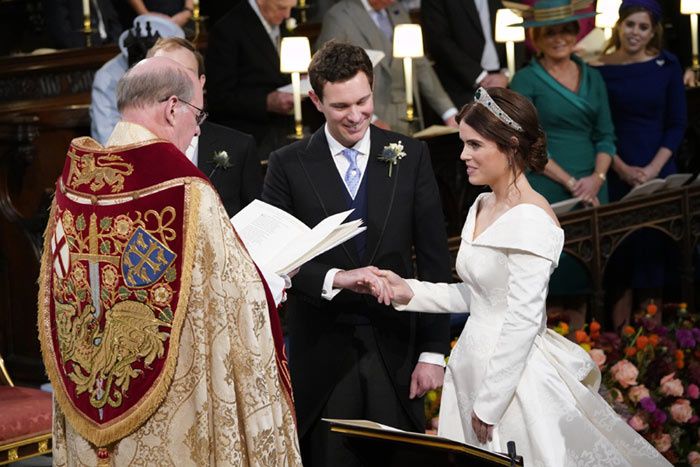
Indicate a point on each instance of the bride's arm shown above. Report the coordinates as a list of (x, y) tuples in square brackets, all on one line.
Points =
[(428, 297), (528, 276)]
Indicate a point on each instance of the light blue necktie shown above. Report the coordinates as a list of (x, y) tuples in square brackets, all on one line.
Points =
[(381, 19), (352, 175)]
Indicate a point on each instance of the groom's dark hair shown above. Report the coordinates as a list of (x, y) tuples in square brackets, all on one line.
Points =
[(337, 62)]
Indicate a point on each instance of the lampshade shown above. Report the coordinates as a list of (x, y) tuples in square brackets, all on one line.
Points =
[(408, 41), (690, 6), (295, 54), (608, 12), (505, 32)]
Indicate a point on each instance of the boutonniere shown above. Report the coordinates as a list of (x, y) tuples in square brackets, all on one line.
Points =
[(392, 154), (290, 24), (221, 161)]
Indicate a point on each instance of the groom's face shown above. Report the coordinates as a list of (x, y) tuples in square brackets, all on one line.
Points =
[(348, 108)]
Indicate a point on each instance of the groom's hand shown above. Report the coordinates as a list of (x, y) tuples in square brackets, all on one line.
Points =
[(425, 377), (365, 281)]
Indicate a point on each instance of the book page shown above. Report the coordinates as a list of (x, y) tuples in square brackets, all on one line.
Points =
[(302, 245), (340, 235), (266, 230)]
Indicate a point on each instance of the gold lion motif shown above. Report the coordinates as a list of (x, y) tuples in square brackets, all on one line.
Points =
[(103, 359), (104, 170)]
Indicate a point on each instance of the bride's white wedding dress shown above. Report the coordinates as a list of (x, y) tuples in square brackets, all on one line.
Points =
[(536, 387)]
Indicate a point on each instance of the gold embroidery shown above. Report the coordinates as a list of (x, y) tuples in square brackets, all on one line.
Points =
[(107, 169), (101, 360)]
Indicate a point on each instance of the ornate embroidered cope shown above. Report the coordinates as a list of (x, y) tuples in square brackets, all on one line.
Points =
[(123, 244)]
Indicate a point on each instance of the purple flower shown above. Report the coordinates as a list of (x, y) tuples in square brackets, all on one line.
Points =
[(662, 331), (696, 334), (648, 324), (685, 338), (648, 404), (660, 416)]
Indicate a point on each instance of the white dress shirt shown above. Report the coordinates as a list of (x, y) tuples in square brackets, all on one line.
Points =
[(272, 30), (489, 57), (342, 164)]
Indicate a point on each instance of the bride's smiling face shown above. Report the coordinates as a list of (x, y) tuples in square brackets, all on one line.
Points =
[(486, 163)]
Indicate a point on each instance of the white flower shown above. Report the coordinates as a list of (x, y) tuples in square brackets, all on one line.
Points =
[(392, 154), (290, 24)]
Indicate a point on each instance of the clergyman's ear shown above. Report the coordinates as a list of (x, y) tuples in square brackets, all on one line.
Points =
[(169, 107)]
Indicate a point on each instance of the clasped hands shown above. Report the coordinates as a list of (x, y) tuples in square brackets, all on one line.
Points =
[(384, 285)]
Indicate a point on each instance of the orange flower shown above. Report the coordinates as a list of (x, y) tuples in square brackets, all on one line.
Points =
[(652, 309), (679, 354), (630, 351), (595, 326), (654, 340), (642, 341), (680, 364), (595, 335), (628, 331), (581, 336)]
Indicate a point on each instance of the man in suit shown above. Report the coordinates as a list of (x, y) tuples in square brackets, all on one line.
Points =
[(351, 357), (459, 35), (244, 73), (369, 24)]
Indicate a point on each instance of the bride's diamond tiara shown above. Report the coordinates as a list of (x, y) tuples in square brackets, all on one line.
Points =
[(483, 98)]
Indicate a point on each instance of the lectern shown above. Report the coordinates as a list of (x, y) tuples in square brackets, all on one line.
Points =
[(379, 446)]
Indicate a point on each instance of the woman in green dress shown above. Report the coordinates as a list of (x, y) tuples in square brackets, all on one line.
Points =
[(572, 103)]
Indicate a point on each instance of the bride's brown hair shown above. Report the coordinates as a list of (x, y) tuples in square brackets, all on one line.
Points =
[(526, 149)]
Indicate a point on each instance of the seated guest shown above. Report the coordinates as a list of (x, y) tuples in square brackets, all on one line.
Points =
[(226, 156), (64, 21), (460, 38), (370, 24), (244, 73), (572, 104), (103, 106), (647, 101), (180, 11)]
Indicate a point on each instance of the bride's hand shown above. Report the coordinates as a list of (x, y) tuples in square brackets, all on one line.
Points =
[(483, 431), (402, 293)]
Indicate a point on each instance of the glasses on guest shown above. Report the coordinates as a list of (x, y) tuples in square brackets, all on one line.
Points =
[(201, 114)]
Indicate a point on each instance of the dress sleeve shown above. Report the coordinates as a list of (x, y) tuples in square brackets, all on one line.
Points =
[(603, 130), (675, 116), (437, 298), (528, 276)]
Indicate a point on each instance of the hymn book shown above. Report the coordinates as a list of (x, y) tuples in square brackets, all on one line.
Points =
[(280, 242)]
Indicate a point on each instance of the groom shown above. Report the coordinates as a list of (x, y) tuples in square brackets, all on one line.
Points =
[(351, 357)]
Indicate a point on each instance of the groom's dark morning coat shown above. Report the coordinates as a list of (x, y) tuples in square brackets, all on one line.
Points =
[(403, 210)]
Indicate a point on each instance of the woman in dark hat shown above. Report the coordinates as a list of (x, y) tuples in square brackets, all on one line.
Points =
[(647, 101), (572, 103)]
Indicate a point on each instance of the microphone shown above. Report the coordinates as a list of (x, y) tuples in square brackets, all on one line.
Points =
[(511, 453)]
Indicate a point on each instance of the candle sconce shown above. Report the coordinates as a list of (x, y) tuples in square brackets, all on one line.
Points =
[(295, 56), (408, 44)]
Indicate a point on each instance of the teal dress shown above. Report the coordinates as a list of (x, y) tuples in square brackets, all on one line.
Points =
[(578, 126)]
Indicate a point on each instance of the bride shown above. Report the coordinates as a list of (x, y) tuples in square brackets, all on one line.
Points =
[(509, 377)]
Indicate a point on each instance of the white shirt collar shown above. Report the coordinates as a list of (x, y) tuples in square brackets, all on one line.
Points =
[(362, 146), (368, 7), (268, 27)]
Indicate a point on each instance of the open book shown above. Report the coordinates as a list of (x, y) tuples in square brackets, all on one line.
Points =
[(659, 184), (435, 130), (280, 242), (564, 206)]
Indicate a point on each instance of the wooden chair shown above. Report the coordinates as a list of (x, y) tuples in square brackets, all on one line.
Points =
[(25, 420)]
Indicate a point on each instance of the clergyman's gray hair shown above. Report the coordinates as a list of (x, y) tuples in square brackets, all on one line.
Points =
[(149, 88)]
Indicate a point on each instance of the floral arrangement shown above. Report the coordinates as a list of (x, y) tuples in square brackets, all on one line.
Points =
[(392, 154), (221, 160), (651, 376)]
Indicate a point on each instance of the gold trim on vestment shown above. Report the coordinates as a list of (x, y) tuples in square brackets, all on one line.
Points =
[(126, 424)]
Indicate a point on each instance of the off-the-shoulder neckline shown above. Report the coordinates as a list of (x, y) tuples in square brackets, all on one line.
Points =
[(473, 213)]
